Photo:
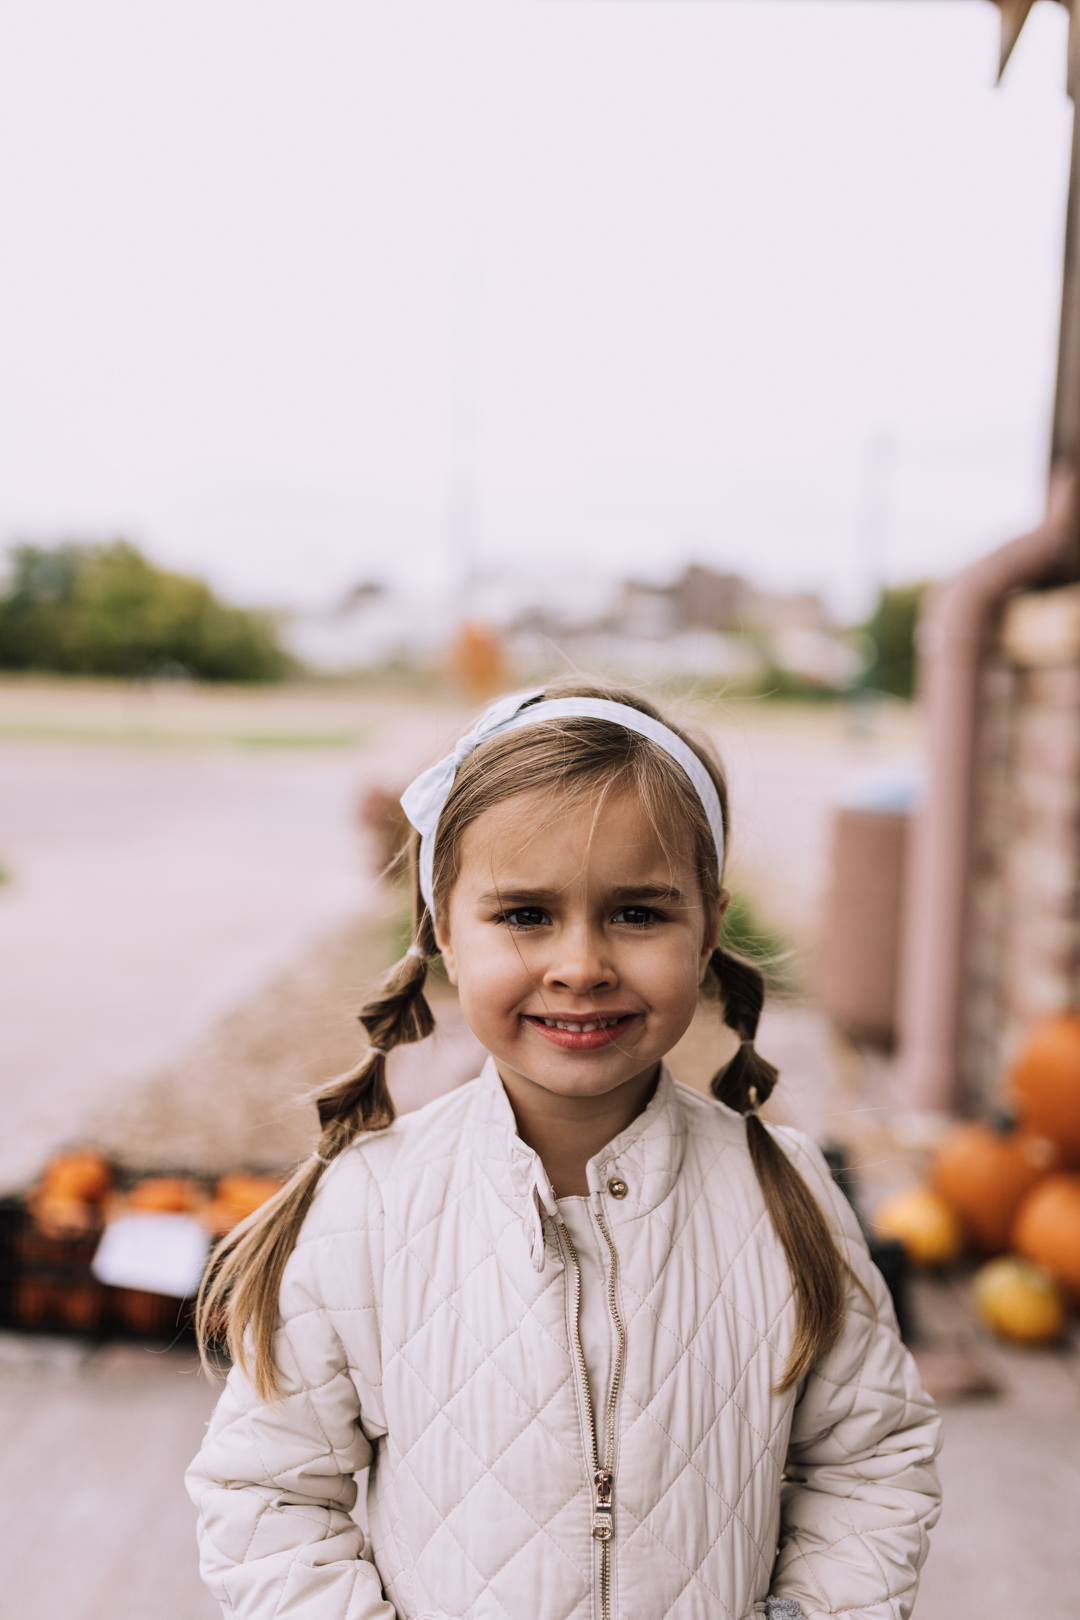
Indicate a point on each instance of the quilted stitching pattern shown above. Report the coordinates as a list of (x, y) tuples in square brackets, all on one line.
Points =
[(417, 1336)]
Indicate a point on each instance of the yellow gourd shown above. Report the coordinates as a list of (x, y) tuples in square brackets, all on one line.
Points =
[(1019, 1301)]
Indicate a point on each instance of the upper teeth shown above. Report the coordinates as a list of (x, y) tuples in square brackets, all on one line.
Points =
[(579, 1029)]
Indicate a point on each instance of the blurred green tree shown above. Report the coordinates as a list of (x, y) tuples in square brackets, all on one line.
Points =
[(891, 633), (106, 610)]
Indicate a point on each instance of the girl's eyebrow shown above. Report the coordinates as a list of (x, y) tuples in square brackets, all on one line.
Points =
[(518, 897), (624, 894), (650, 891)]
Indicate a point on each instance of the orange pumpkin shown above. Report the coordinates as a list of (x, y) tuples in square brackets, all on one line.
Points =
[(248, 1191), (60, 1216), (1047, 1229), (236, 1196), (983, 1174), (173, 1195), (82, 1176), (1046, 1083)]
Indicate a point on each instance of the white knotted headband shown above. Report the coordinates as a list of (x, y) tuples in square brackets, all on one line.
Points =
[(423, 802)]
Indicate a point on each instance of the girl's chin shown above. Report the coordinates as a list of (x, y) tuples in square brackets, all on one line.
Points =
[(580, 1082)]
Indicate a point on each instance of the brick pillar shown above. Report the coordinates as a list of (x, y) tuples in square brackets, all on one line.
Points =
[(1023, 942), (993, 810), (1039, 940)]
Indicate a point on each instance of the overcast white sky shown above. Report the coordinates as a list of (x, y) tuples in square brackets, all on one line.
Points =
[(745, 272)]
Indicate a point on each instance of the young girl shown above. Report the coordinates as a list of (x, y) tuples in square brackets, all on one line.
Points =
[(608, 1349)]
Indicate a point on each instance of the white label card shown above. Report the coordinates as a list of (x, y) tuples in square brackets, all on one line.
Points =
[(165, 1254)]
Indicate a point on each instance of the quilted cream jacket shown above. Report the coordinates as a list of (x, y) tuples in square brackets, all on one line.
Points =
[(428, 1333)]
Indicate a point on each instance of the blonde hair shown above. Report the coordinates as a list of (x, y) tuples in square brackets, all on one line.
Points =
[(238, 1301)]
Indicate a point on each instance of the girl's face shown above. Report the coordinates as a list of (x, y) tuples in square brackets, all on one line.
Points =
[(577, 941)]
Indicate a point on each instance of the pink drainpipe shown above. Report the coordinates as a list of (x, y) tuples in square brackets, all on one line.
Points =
[(952, 642)]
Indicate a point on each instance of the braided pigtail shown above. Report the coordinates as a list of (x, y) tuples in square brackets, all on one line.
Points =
[(817, 1269), (238, 1300)]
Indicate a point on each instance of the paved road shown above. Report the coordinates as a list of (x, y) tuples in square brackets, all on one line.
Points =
[(156, 888)]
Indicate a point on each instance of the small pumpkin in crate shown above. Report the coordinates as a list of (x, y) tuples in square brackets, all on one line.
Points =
[(983, 1174), (236, 1196), (69, 1197), (166, 1195), (1045, 1083), (1047, 1229), (924, 1223), (63, 1217), (1019, 1301), (82, 1176)]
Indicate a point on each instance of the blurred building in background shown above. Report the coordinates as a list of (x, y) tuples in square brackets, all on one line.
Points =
[(702, 624)]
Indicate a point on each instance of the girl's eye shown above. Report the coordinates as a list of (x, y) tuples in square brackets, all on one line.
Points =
[(526, 917), (636, 916)]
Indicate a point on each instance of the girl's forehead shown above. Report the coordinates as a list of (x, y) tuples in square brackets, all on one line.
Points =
[(594, 828)]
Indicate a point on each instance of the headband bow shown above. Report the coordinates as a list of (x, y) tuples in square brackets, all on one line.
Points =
[(423, 802)]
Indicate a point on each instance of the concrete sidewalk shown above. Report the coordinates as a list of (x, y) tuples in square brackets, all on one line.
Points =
[(97, 1524), (1007, 1546)]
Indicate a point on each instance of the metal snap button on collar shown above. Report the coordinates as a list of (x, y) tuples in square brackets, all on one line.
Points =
[(617, 1187)]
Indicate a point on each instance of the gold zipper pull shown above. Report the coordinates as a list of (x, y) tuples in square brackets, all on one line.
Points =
[(603, 1481)]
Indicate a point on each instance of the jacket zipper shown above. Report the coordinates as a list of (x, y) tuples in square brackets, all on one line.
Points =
[(603, 1473)]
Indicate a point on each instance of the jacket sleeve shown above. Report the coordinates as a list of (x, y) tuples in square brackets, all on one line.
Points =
[(274, 1484), (861, 1490)]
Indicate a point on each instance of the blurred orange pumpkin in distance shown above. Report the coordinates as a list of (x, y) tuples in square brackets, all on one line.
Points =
[(1047, 1229), (1045, 1083), (924, 1223), (166, 1195), (68, 1199), (63, 1216), (477, 661), (1019, 1301), (236, 1196), (983, 1174), (82, 1176)]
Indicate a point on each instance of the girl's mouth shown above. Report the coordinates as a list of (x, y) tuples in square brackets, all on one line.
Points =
[(580, 1034)]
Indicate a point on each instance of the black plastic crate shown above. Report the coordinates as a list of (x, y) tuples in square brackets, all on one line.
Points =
[(886, 1253), (46, 1286)]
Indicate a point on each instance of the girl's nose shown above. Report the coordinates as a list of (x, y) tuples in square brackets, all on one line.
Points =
[(581, 964)]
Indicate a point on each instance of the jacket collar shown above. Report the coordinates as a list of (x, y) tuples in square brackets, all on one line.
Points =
[(646, 1157)]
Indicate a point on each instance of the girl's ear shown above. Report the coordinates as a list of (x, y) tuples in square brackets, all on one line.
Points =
[(446, 951), (712, 933)]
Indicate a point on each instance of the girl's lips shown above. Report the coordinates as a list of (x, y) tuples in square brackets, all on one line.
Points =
[(585, 1034)]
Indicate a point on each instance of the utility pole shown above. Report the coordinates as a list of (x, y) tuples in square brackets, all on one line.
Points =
[(464, 427), (1065, 442)]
